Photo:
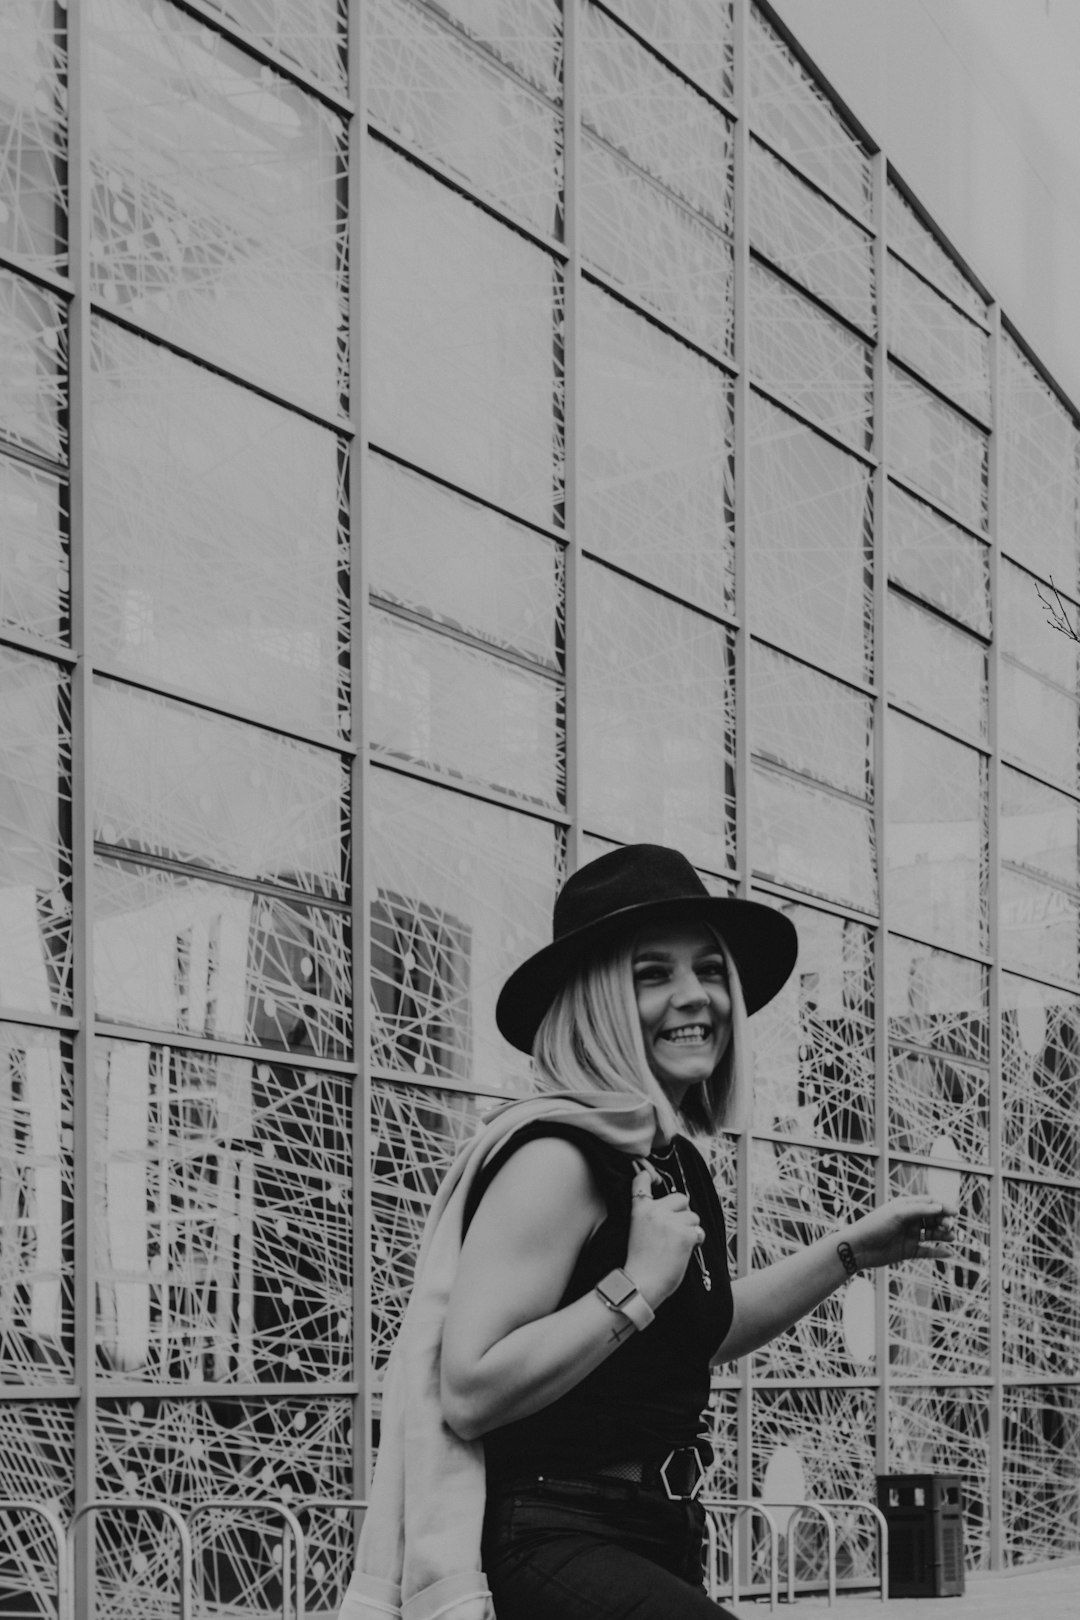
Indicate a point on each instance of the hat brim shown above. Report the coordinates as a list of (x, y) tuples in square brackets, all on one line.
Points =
[(762, 941)]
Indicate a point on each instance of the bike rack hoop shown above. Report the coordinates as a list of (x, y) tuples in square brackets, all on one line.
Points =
[(125, 1503)]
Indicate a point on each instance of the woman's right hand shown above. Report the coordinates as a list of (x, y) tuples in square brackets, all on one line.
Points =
[(664, 1232)]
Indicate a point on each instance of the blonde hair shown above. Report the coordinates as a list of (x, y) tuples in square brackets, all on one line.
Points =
[(590, 1040)]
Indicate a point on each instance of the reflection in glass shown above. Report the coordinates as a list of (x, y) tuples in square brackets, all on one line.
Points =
[(174, 781), (938, 1108), (224, 1211), (809, 543), (920, 247), (1040, 1050), (33, 553), (1041, 1435), (949, 351), (33, 137), (1039, 509), (935, 560), (1040, 926), (812, 361), (655, 425), (657, 721), (814, 725), (173, 952), (697, 35), (434, 88), (1039, 712), (461, 892), (939, 1316), (941, 452), (527, 35), (214, 208), (217, 528), (461, 370), (36, 1222), (462, 564), (936, 811), (937, 1001), (454, 707), (35, 858), (1041, 1318), (936, 669), (33, 364), (308, 32), (811, 839)]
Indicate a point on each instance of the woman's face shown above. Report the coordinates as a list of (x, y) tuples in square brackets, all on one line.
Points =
[(681, 986)]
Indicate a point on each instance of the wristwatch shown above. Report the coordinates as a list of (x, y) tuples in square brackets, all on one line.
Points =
[(621, 1293)]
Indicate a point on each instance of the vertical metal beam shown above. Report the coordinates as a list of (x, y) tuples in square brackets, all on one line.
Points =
[(356, 454), (996, 1081), (82, 847), (572, 622), (880, 710)]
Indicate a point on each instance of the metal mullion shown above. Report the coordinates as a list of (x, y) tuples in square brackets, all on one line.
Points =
[(776, 767), (83, 1065), (724, 620), (665, 61), (243, 716), (274, 1057), (996, 1088), (936, 505), (936, 611), (656, 183), (128, 1389), (744, 850), (433, 1082), (464, 638), (547, 532), (942, 241), (127, 323), (123, 855), (39, 1020), (794, 167), (1007, 328), (815, 298), (946, 298), (12, 451), (360, 768), (68, 1393), (454, 182), (914, 375), (982, 748), (470, 790), (622, 295), (866, 689), (856, 130), (979, 958), (18, 642), (573, 630), (301, 77), (815, 902), (49, 279), (799, 415)]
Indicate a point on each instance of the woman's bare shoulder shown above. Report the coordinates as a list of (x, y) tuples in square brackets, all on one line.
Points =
[(546, 1173)]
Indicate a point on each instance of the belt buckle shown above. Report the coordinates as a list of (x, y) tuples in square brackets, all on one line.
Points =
[(681, 1457)]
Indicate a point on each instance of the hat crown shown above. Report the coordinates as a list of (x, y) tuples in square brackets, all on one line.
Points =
[(635, 875)]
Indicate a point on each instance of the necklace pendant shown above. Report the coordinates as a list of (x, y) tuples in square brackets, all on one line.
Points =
[(705, 1277)]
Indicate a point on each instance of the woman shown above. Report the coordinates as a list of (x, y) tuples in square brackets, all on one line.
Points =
[(591, 1292)]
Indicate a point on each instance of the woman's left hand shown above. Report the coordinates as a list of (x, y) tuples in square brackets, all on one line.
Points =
[(908, 1228)]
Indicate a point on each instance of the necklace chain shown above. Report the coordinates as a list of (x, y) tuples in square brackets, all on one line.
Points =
[(671, 1174)]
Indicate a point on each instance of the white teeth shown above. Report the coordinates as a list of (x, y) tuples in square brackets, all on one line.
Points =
[(688, 1032)]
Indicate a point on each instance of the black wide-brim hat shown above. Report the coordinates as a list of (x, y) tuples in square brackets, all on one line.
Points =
[(620, 893)]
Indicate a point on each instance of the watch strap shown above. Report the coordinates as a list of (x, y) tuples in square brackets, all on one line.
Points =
[(620, 1292)]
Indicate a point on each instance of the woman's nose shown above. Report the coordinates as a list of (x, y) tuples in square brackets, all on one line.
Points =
[(688, 990)]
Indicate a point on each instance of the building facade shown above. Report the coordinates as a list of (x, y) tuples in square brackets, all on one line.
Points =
[(439, 442)]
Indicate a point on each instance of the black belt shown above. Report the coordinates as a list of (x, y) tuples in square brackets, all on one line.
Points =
[(680, 1475)]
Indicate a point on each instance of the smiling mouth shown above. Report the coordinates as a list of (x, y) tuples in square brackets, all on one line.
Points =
[(688, 1034)]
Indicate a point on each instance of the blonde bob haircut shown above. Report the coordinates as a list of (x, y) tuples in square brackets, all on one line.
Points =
[(590, 1040)]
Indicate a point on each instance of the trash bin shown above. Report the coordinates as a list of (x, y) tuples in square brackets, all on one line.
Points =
[(925, 1515)]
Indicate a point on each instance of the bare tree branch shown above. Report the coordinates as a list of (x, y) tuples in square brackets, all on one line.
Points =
[(1057, 614)]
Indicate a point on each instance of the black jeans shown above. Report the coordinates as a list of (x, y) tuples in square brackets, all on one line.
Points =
[(594, 1549)]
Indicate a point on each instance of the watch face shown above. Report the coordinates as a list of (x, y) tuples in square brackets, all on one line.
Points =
[(618, 1288)]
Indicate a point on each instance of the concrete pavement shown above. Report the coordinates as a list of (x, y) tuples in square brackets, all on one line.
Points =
[(1033, 1592)]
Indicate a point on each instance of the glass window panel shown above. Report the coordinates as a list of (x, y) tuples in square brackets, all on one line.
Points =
[(652, 245), (935, 669), (174, 952), (939, 1317), (33, 364), (1041, 1317), (813, 725), (909, 236), (526, 35), (1040, 1048), (455, 708), (937, 1001), (1039, 926), (33, 135), (947, 1428), (462, 893), (426, 81), (938, 449), (1039, 829), (439, 554), (461, 368), (310, 33), (799, 1194), (931, 336), (1041, 1427), (174, 781), (793, 114), (657, 722), (798, 351), (938, 1108), (35, 814), (217, 529), (188, 1450), (638, 107), (416, 1133), (809, 238), (936, 812), (36, 1204), (831, 1429), (38, 1440), (33, 552), (1039, 716), (813, 840), (214, 206), (224, 1218), (934, 559), (697, 35), (1039, 511), (813, 1047), (656, 431), (809, 545)]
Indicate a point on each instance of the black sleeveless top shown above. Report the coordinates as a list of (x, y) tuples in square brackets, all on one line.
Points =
[(649, 1394)]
